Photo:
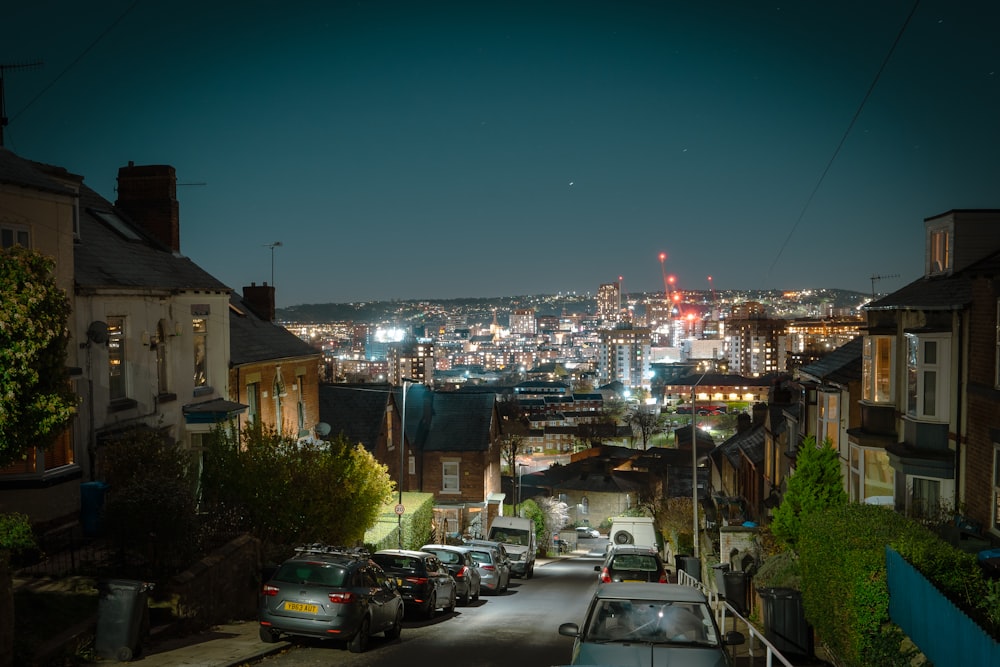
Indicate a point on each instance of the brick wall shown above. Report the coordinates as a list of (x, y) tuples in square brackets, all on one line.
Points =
[(221, 587)]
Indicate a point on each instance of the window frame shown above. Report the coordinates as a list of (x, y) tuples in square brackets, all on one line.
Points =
[(199, 334), (928, 356), (939, 250), (13, 234), (117, 359), (453, 477), (828, 418), (878, 369)]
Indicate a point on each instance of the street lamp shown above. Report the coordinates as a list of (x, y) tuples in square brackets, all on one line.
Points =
[(402, 458), (694, 461)]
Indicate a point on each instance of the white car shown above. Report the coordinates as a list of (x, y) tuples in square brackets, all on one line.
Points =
[(586, 532)]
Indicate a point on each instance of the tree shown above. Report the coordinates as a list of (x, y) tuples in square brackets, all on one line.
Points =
[(146, 470), (511, 445), (815, 485), (286, 493), (550, 516), (614, 410), (646, 423), (36, 401)]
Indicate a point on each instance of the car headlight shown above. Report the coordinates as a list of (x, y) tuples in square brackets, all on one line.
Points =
[(517, 556)]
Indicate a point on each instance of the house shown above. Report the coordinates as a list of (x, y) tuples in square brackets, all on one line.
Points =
[(931, 372), (451, 447), (271, 370), (39, 209)]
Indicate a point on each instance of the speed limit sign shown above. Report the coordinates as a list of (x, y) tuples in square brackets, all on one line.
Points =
[(399, 509)]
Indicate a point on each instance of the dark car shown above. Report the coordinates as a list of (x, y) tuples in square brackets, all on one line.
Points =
[(330, 593), (461, 567), (421, 579), (632, 563)]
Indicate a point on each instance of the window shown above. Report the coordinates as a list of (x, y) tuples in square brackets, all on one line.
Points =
[(12, 235), (253, 403), (199, 329), (117, 384), (877, 369), (939, 250), (829, 418), (449, 477), (278, 394), (927, 377), (584, 505), (924, 501), (300, 402), (871, 476)]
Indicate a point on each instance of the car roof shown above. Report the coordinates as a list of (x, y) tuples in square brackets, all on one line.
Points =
[(447, 547), (645, 591), (633, 549), (403, 552)]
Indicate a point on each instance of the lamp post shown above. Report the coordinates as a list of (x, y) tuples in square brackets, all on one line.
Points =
[(520, 476), (402, 458), (694, 462)]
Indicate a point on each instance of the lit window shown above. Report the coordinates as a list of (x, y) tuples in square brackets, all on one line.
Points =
[(117, 385), (939, 251), (871, 475), (877, 369), (253, 403), (829, 418)]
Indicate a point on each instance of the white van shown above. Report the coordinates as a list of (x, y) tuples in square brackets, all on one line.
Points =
[(518, 537), (637, 530)]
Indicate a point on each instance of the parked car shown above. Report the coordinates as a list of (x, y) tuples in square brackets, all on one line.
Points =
[(421, 579), (640, 624), (631, 563), (587, 532), (330, 593), (499, 546), (462, 568), (494, 573)]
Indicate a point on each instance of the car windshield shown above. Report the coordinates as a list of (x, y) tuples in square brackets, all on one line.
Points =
[(654, 621), (446, 557), (321, 574)]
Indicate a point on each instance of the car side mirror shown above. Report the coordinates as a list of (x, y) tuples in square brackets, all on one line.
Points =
[(734, 637), (569, 629)]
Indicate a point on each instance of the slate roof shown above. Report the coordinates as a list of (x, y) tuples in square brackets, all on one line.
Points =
[(459, 422), (842, 366), (952, 292), (355, 410), (252, 339), (749, 443), (105, 259), (15, 170)]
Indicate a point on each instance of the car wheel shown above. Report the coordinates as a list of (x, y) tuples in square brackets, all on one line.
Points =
[(267, 635), (531, 572), (451, 602), (464, 600), (431, 607), (359, 642), (396, 628)]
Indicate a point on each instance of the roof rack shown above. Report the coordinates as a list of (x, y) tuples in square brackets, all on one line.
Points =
[(320, 548)]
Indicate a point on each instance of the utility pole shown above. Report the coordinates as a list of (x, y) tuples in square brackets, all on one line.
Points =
[(3, 105)]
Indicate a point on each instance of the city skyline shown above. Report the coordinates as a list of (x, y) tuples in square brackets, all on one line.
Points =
[(408, 150)]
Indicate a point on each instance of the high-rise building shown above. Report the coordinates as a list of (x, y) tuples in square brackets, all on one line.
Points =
[(522, 321), (609, 301), (625, 357)]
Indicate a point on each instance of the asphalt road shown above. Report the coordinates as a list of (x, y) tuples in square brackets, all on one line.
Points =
[(518, 628)]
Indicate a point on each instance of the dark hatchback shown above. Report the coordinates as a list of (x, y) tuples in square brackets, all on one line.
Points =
[(330, 593), (422, 580), (631, 563)]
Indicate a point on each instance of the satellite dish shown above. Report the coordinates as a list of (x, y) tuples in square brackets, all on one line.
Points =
[(97, 332), (322, 429)]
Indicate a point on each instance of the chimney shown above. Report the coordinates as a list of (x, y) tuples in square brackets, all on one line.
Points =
[(743, 422), (260, 299), (759, 413), (148, 195)]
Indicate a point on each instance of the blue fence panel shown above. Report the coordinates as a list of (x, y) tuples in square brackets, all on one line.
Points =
[(945, 634)]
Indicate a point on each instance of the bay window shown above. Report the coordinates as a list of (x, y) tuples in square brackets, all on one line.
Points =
[(877, 369), (927, 376)]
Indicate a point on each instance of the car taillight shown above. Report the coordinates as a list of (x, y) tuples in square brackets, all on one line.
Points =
[(605, 576), (461, 573), (343, 598), (663, 578), (419, 581), (269, 591)]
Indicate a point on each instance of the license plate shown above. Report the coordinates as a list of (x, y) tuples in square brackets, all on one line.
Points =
[(634, 581), (298, 606)]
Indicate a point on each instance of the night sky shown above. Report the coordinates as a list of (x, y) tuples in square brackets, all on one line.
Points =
[(402, 150)]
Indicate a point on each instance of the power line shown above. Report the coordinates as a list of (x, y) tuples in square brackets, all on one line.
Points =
[(843, 139)]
